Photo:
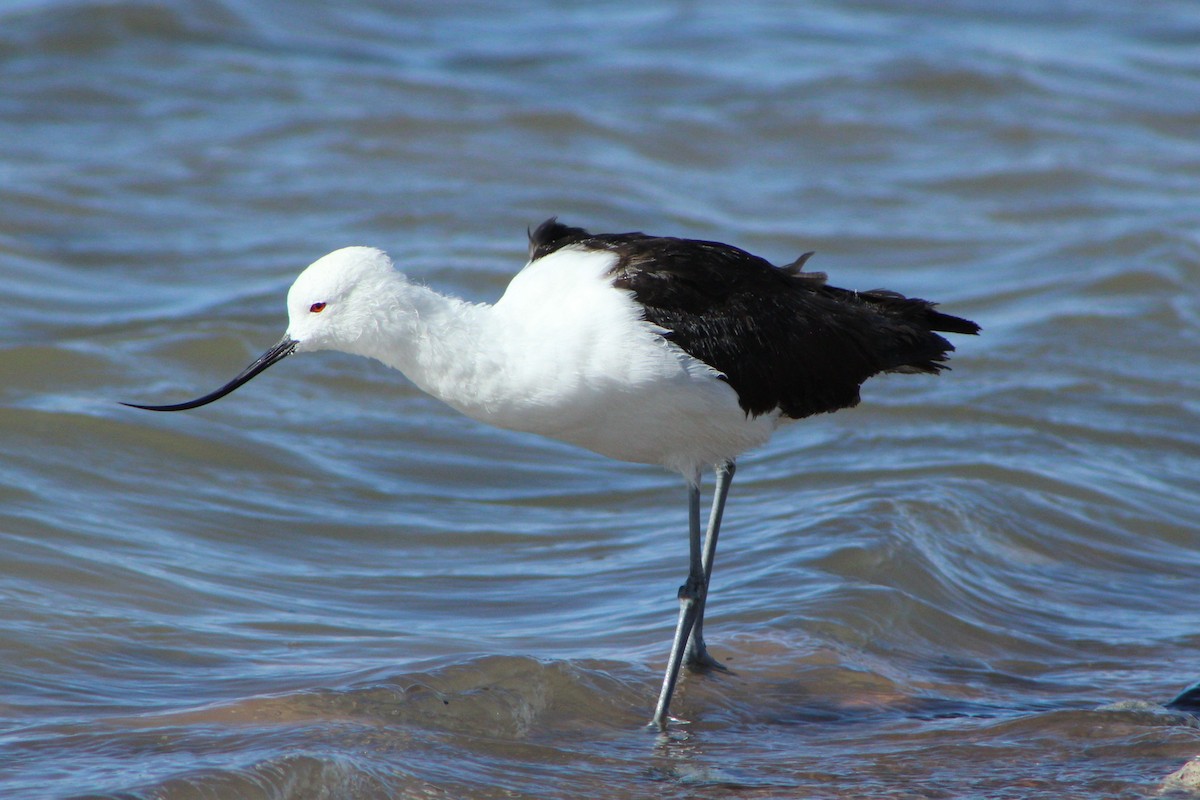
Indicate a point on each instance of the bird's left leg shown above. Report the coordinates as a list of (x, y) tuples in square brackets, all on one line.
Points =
[(688, 596), (697, 654)]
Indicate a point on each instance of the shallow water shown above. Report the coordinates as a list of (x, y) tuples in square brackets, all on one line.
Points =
[(330, 585)]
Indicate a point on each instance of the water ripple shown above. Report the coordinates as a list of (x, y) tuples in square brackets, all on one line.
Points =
[(331, 585)]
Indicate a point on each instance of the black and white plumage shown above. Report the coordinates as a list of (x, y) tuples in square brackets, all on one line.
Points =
[(648, 349), (782, 338)]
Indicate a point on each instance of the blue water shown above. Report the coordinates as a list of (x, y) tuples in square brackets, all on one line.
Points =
[(330, 585)]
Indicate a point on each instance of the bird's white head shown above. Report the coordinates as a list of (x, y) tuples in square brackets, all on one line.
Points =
[(336, 301), (339, 303)]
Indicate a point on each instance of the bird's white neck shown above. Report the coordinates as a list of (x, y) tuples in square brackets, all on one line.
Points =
[(442, 344)]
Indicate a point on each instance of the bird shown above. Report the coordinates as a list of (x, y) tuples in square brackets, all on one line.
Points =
[(676, 352)]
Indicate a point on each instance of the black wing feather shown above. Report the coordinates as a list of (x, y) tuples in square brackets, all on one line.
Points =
[(781, 337)]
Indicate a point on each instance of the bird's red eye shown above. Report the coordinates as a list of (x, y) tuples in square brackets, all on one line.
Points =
[(317, 308)]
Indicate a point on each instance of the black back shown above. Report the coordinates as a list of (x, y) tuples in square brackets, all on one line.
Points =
[(781, 337)]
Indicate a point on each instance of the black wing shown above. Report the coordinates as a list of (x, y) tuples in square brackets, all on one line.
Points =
[(781, 337)]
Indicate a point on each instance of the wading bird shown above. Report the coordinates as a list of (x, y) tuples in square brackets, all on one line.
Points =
[(648, 349)]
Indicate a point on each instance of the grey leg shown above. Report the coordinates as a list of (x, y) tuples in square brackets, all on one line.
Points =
[(697, 654), (689, 594)]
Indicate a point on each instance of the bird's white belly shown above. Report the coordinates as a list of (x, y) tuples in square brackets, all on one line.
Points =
[(679, 415), (685, 430)]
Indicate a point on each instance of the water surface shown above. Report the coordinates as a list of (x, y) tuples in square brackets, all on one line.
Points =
[(330, 585)]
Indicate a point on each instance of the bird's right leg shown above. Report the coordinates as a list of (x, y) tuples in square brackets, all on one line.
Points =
[(697, 654), (689, 597)]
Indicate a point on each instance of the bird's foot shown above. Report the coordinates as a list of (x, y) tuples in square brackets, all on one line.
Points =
[(697, 657)]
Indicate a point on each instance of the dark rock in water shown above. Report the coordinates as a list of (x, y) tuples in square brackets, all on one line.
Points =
[(1188, 701)]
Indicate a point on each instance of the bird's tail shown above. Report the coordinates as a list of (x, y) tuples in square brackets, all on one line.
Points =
[(912, 340), (916, 310)]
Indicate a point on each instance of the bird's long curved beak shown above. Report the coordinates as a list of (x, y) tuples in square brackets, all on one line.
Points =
[(285, 348)]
